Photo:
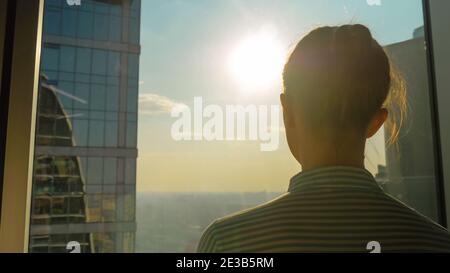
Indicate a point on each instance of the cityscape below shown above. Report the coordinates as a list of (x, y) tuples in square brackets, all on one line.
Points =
[(174, 222)]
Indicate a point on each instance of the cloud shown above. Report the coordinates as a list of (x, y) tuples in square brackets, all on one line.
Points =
[(154, 104)]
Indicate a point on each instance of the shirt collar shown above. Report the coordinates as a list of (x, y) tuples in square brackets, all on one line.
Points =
[(343, 177)]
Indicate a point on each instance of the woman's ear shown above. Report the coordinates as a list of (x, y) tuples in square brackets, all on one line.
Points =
[(377, 121)]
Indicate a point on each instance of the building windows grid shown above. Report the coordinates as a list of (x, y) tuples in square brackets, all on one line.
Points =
[(82, 107), (60, 193), (94, 86), (93, 20)]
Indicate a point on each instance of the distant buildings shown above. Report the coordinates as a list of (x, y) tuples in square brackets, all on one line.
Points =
[(381, 176), (84, 183), (410, 163)]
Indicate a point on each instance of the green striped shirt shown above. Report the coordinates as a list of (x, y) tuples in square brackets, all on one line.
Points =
[(331, 209)]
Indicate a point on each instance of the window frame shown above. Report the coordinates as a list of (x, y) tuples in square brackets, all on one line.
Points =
[(6, 30), (437, 22), (19, 145)]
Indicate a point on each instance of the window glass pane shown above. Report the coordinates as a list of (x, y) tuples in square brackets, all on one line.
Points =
[(116, 10), (113, 63), (99, 58), (130, 171), (134, 31), (65, 94), (101, 27), (111, 134), (219, 177), (109, 212), (52, 3), (133, 65), (69, 23), (50, 58), (67, 59), (98, 93), (101, 7), (88, 5), (81, 100), (95, 170), (66, 76), (106, 95), (112, 98), (52, 23), (131, 134), (129, 207), (98, 79), (95, 205), (113, 80), (96, 134), (115, 25), (80, 132), (132, 99), (82, 78), (85, 25), (110, 170), (83, 60)]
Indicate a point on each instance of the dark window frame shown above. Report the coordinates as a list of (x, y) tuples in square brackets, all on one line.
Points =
[(435, 122), (8, 48)]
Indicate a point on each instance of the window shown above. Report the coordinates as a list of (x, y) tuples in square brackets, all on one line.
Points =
[(83, 60), (105, 149), (69, 25), (113, 63), (111, 136), (85, 23), (99, 62), (95, 170), (67, 60), (98, 97), (112, 98), (110, 176), (50, 57), (184, 185), (52, 25)]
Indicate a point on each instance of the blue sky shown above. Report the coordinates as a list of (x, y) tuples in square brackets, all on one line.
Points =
[(180, 38)]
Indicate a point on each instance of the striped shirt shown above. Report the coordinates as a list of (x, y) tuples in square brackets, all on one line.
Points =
[(331, 209)]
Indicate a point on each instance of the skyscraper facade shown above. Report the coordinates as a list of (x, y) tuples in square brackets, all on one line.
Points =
[(84, 182), (410, 167)]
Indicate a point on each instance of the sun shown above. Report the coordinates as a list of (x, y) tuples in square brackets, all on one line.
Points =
[(257, 61)]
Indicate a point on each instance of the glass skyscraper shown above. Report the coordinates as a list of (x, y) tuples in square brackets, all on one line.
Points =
[(413, 180), (84, 183)]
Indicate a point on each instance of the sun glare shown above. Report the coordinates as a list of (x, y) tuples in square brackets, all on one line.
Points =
[(256, 63)]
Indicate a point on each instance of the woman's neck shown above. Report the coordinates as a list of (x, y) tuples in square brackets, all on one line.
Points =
[(339, 154)]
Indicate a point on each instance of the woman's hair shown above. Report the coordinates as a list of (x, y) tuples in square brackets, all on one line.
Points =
[(339, 77)]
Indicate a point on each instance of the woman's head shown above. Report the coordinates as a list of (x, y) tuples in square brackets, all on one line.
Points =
[(338, 83)]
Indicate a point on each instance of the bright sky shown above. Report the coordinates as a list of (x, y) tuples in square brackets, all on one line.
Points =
[(207, 48)]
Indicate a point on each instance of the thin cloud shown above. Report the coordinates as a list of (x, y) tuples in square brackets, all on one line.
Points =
[(154, 104)]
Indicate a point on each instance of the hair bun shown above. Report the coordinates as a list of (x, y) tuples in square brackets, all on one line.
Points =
[(359, 30), (358, 35)]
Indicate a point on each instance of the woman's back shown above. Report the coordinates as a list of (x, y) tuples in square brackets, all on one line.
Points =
[(333, 209)]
